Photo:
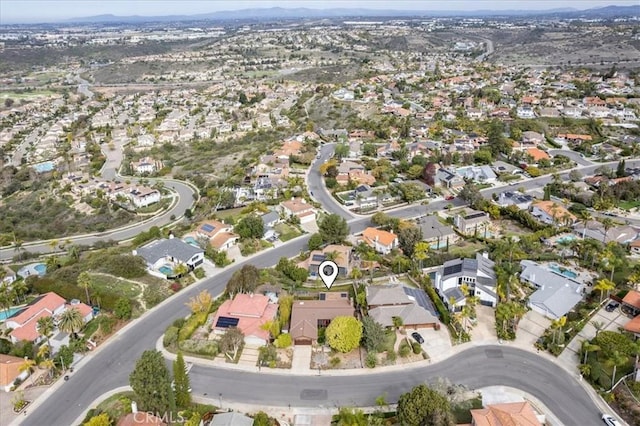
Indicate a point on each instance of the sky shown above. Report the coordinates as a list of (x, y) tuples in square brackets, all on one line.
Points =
[(31, 11)]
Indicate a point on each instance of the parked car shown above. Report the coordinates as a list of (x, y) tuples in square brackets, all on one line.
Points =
[(611, 306), (449, 197), (418, 338), (610, 420)]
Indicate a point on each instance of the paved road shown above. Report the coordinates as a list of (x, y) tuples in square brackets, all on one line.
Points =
[(184, 191), (574, 156), (318, 189), (476, 367)]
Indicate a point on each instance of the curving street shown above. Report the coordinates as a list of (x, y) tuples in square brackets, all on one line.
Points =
[(110, 366)]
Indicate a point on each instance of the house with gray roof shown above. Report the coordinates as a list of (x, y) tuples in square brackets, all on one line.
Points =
[(435, 232), (231, 419), (448, 179), (477, 275), (480, 174), (269, 220), (395, 300), (515, 198), (595, 230), (556, 293), (162, 256), (471, 222)]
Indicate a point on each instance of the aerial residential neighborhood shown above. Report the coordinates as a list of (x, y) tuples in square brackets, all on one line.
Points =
[(213, 214)]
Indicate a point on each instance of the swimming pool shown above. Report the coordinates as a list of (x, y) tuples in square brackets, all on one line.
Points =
[(40, 268), (166, 270), (563, 271), (47, 166), (566, 238), (191, 240), (4, 314)]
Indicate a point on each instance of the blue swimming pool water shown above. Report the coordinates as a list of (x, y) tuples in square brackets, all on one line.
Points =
[(166, 270), (47, 166), (8, 313), (40, 268), (566, 238), (563, 271), (191, 240)]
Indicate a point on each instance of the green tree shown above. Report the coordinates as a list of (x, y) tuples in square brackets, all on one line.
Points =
[(71, 321), (344, 333), (151, 383), (284, 309), (250, 226), (261, 419), (424, 406), (181, 385), (333, 229), (373, 335), (616, 359), (341, 151), (101, 419), (230, 342), (245, 280), (315, 241), (45, 327), (84, 281), (470, 193), (123, 309), (604, 286), (348, 416), (621, 169), (408, 238)]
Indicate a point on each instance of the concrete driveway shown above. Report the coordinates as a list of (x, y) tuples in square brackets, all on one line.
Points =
[(484, 330), (530, 328), (437, 343)]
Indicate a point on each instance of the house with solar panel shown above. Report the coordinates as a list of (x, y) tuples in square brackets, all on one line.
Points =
[(219, 234), (248, 313), (471, 222), (476, 275), (342, 257)]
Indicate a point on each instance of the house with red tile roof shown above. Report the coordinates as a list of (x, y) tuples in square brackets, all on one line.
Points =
[(552, 213), (300, 208), (219, 234), (248, 313), (632, 300), (10, 371), (381, 241), (506, 414), (537, 154), (24, 324)]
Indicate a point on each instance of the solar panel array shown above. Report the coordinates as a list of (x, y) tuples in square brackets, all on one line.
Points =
[(453, 269), (226, 322), (207, 227), (318, 257)]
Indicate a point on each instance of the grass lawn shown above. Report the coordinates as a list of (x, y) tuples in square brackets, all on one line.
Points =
[(287, 232), (223, 214), (628, 205), (111, 284), (466, 249), (390, 340)]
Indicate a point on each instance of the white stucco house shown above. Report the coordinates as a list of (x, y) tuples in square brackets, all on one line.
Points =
[(476, 274)]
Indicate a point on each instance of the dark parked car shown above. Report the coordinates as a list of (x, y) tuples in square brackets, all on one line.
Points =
[(417, 337), (611, 306)]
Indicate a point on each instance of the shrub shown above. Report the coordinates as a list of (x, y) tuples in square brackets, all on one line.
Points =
[(283, 341), (391, 357), (194, 321), (179, 322), (175, 286), (123, 309), (170, 336), (371, 360), (106, 324), (416, 348), (199, 273), (405, 349), (334, 362), (200, 347)]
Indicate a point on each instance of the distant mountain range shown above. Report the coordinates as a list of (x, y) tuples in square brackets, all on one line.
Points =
[(299, 13)]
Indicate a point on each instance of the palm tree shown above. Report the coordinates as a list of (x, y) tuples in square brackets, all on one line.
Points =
[(45, 327), (356, 274), (616, 360), (20, 289), (44, 351), (6, 296), (585, 217), (48, 364), (588, 347), (607, 223), (598, 325), (557, 325), (604, 285), (181, 269), (331, 255), (53, 244), (71, 321), (27, 365), (84, 280)]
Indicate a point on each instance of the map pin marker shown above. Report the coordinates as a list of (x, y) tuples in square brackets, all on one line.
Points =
[(328, 271)]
